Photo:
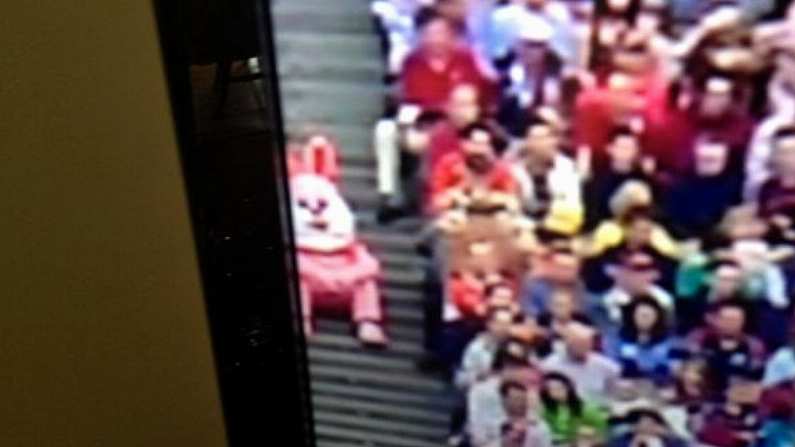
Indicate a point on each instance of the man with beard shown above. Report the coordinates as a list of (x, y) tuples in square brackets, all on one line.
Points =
[(473, 177)]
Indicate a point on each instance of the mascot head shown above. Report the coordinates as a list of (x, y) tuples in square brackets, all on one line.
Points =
[(322, 219)]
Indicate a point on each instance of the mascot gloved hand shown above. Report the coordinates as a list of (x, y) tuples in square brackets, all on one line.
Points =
[(337, 272)]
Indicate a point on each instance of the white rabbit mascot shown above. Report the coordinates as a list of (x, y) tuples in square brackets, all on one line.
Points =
[(337, 272)]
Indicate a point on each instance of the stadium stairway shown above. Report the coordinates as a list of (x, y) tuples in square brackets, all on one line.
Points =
[(331, 77)]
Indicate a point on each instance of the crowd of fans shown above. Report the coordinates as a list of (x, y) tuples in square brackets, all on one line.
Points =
[(611, 191)]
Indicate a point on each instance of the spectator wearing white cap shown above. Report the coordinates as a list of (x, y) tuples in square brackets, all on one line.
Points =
[(534, 78), (509, 21)]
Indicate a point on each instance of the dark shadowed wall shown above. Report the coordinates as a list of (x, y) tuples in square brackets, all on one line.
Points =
[(103, 335)]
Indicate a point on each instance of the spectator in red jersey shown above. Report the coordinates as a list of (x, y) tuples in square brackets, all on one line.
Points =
[(473, 175), (440, 63), (463, 108), (599, 110), (672, 133)]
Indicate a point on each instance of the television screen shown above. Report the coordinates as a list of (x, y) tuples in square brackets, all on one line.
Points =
[(543, 222)]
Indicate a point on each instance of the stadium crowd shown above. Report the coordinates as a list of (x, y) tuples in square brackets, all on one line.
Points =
[(610, 191)]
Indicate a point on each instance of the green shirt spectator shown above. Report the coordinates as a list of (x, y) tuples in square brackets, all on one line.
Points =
[(566, 414)]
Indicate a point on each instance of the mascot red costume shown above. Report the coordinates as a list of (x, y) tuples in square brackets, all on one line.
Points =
[(337, 272)]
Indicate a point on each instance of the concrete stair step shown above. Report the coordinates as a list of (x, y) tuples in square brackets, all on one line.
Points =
[(383, 425), (372, 439), (402, 314), (332, 357), (324, 442), (346, 343), (411, 333), (440, 402), (313, 46), (373, 409), (324, 112), (323, 21), (409, 224), (403, 295), (359, 174), (377, 379), (354, 141), (362, 199), (400, 242), (401, 260), (293, 65), (357, 8), (340, 94)]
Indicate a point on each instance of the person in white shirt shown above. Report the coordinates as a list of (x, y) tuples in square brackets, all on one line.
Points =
[(544, 174), (591, 372), (522, 426), (486, 411), (479, 355)]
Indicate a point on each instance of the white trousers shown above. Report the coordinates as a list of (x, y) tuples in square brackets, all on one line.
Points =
[(387, 155)]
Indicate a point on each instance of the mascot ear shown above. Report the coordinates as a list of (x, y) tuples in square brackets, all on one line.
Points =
[(318, 156)]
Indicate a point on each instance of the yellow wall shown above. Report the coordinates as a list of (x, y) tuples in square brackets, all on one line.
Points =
[(103, 338)]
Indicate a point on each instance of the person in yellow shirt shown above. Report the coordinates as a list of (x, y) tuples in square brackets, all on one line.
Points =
[(632, 225)]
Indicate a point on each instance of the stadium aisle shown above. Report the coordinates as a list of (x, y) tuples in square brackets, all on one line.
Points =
[(332, 78)]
